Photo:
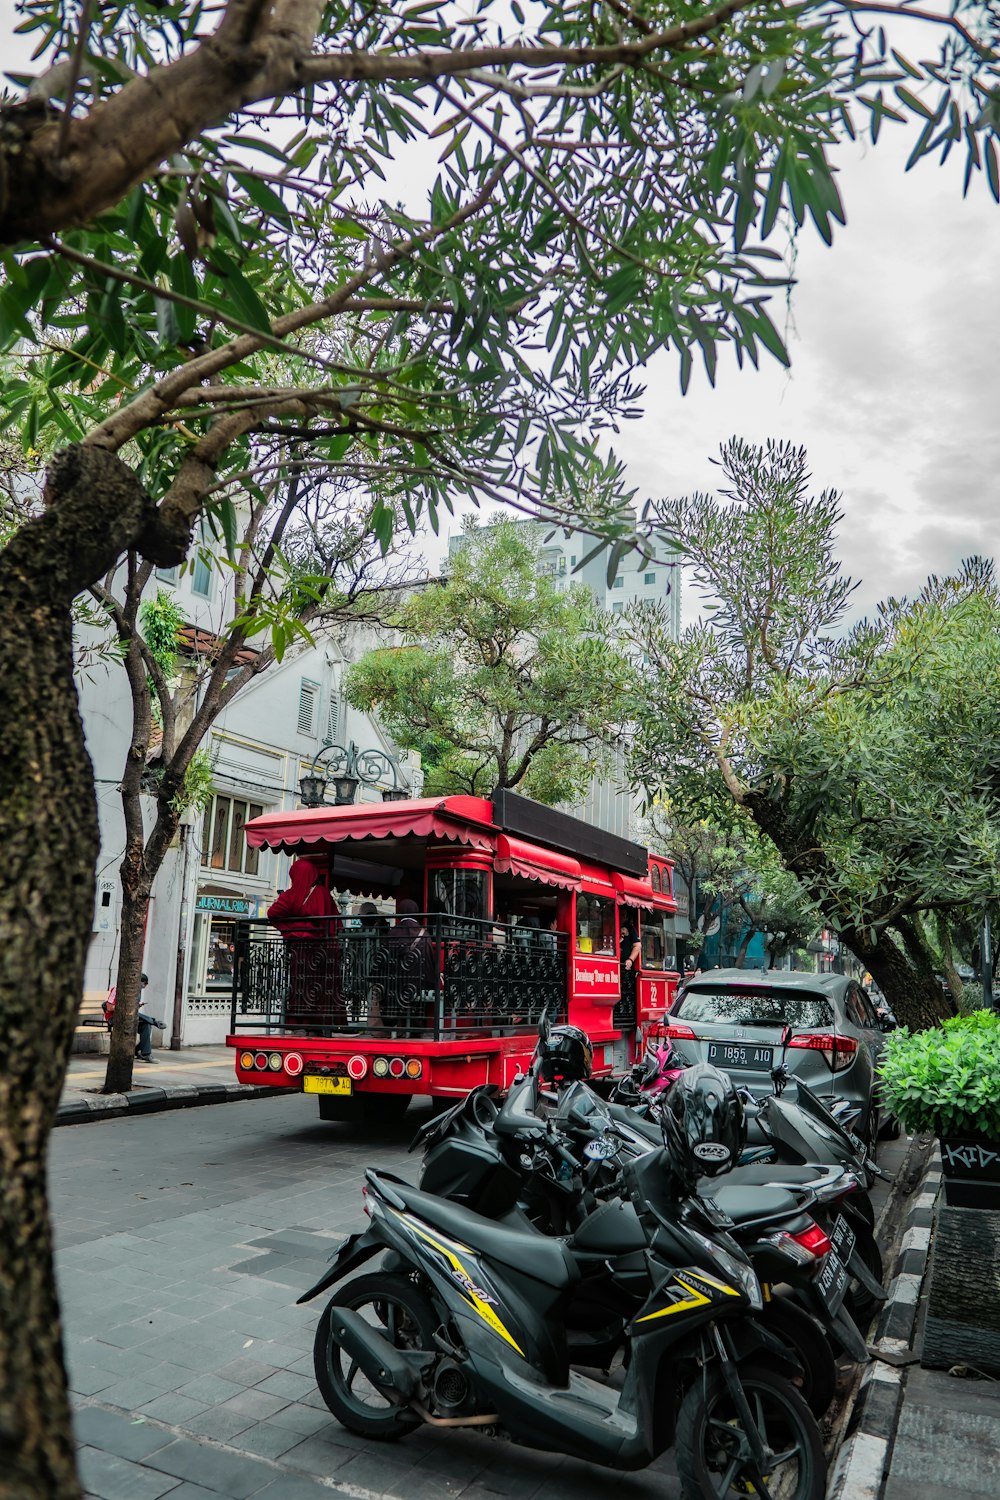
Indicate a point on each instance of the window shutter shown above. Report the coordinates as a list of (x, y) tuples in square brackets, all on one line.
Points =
[(307, 708), (332, 718)]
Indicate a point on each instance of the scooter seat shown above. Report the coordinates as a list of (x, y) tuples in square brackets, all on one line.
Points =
[(748, 1206), (533, 1254), (780, 1174)]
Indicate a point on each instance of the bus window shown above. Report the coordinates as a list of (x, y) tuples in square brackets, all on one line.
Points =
[(658, 948), (458, 893), (595, 924)]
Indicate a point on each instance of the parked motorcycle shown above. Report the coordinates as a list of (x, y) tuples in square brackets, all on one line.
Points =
[(563, 1174), (465, 1326)]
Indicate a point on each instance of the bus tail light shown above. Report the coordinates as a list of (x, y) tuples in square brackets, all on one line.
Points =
[(838, 1050), (357, 1066)]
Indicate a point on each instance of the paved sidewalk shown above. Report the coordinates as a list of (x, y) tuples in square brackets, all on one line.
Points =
[(194, 1075)]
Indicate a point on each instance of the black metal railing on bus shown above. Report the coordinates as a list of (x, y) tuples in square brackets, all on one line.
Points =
[(437, 977)]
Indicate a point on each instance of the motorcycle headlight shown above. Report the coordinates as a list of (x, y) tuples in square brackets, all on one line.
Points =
[(734, 1268)]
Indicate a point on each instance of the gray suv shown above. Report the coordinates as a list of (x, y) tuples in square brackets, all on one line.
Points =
[(824, 1027)]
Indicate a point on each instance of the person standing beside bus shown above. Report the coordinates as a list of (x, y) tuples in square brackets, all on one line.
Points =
[(296, 914)]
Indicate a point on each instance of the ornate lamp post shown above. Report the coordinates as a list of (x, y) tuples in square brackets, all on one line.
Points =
[(347, 768)]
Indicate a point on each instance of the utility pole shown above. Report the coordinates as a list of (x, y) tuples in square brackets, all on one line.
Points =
[(182, 934)]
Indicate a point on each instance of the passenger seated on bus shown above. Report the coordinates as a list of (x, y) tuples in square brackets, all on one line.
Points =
[(313, 984), (412, 972)]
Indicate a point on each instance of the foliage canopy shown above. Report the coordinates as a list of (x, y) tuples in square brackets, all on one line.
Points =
[(503, 680)]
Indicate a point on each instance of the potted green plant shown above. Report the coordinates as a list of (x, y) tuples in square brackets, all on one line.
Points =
[(946, 1081)]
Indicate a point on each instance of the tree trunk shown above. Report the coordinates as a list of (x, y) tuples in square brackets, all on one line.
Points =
[(49, 836), (121, 1057), (741, 952), (916, 1001)]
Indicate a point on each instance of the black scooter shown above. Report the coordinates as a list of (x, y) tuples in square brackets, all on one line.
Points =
[(564, 1175), (465, 1326)]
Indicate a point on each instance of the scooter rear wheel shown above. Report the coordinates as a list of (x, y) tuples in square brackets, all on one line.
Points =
[(403, 1314), (860, 1302), (805, 1337), (712, 1451)]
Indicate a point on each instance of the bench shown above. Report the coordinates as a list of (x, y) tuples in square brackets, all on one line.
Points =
[(91, 1026)]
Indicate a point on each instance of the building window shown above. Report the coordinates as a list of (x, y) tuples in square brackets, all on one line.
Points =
[(649, 577), (201, 576), (619, 582), (332, 719), (308, 693), (572, 562), (618, 607), (167, 575), (223, 846)]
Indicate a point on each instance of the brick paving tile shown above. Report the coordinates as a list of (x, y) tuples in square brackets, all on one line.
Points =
[(105, 1476), (229, 1474), (126, 1436)]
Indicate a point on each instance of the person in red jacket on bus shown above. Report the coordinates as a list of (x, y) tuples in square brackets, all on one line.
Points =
[(313, 952)]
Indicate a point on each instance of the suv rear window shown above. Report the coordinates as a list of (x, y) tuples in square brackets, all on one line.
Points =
[(754, 1007)]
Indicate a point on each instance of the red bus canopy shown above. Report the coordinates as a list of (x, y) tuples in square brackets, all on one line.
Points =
[(535, 863), (426, 817)]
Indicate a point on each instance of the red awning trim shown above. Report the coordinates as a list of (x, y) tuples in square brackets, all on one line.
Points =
[(421, 818), (632, 892), (532, 862), (596, 879)]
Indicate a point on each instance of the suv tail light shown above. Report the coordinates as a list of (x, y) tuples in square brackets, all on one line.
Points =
[(838, 1050), (678, 1033)]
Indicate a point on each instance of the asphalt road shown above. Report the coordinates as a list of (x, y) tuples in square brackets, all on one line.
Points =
[(183, 1241)]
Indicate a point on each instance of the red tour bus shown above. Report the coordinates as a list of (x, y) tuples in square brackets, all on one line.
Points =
[(518, 908)]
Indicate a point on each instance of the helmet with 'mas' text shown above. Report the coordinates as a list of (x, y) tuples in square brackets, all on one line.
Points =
[(566, 1054), (703, 1122)]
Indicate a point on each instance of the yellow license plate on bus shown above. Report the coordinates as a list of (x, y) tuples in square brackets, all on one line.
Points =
[(311, 1085)]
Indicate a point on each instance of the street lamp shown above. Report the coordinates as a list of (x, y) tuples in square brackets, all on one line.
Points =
[(347, 768)]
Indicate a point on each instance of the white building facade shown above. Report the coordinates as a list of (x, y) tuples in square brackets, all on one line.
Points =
[(259, 747)]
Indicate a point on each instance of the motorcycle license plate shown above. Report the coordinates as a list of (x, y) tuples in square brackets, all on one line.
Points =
[(311, 1085), (740, 1055), (832, 1281)]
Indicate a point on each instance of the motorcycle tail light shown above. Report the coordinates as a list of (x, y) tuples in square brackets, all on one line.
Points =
[(838, 1050), (814, 1239)]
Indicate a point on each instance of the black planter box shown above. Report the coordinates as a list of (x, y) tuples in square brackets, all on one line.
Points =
[(962, 1323), (970, 1166)]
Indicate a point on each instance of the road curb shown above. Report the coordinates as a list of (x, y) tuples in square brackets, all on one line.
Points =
[(866, 1447), (154, 1100)]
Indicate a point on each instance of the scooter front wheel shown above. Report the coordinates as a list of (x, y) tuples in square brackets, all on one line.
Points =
[(713, 1452), (401, 1313)]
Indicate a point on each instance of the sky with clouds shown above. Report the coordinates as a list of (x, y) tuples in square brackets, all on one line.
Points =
[(894, 389)]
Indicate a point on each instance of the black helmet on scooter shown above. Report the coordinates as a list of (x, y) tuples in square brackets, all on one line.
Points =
[(703, 1122), (566, 1055)]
